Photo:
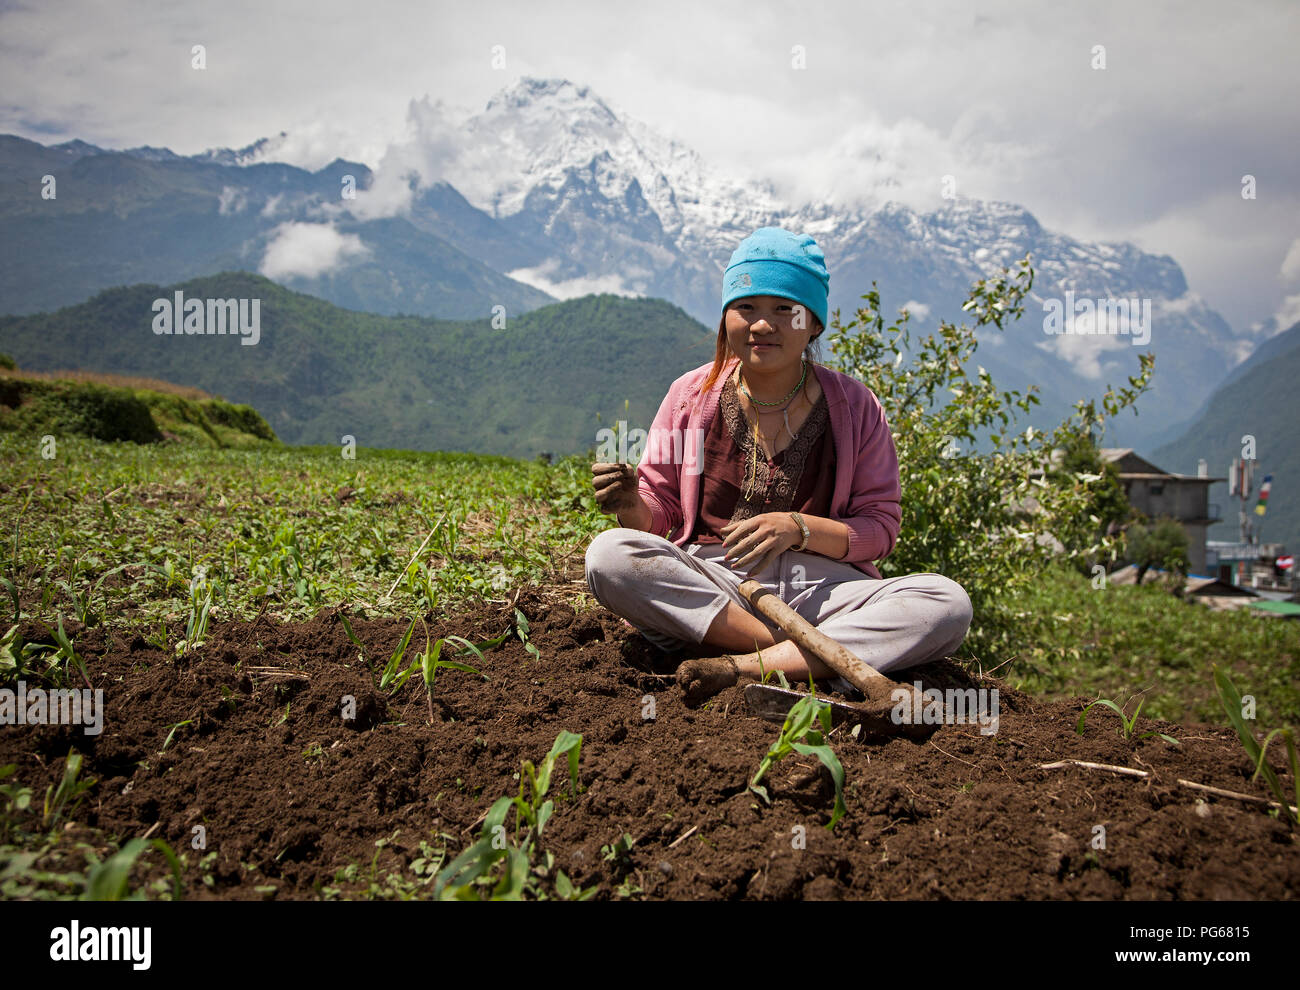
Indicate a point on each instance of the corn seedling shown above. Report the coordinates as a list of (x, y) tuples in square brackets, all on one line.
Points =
[(12, 588), (390, 669), (347, 628), (16, 799), (15, 656), (172, 733), (429, 662), (68, 655), (1294, 759), (196, 628), (68, 795), (1126, 725), (159, 638), (619, 853), (799, 725), (532, 809), (169, 573), (521, 630), (1231, 699), (83, 602), (461, 877), (109, 880), (765, 675)]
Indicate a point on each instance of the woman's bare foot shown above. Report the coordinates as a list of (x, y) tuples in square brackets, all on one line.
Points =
[(705, 677)]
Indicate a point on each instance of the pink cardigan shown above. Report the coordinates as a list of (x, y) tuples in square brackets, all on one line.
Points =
[(866, 492)]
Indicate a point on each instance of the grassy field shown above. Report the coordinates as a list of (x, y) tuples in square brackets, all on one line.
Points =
[(1136, 643), (122, 531)]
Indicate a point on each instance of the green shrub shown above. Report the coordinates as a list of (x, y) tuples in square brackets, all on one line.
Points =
[(1111, 506), (100, 412), (988, 521), (1161, 544), (243, 418)]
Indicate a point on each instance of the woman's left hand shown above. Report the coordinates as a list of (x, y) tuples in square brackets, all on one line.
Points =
[(755, 542)]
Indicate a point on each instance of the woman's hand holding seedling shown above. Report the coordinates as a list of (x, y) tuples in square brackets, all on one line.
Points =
[(615, 486)]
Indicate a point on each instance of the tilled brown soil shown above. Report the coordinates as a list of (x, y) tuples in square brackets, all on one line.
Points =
[(289, 793)]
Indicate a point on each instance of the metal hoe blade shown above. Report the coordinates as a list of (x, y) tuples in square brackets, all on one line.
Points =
[(773, 703)]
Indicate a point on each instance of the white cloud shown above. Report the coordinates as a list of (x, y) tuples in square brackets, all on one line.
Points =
[(1291, 263), (308, 250), (1288, 314), (904, 160), (539, 278), (231, 200), (431, 139), (1085, 352)]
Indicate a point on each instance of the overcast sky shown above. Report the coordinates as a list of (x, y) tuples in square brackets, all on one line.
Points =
[(1001, 95)]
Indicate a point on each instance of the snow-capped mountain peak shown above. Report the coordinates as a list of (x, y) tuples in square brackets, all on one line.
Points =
[(537, 133)]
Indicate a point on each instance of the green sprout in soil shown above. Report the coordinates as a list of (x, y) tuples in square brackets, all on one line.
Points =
[(1127, 725), (16, 656), (196, 626), (430, 662), (390, 669), (521, 630), (63, 800), (765, 675), (68, 655), (16, 799), (60, 657), (1231, 698), (172, 733), (12, 590), (110, 879), (470, 876), (620, 852), (799, 725)]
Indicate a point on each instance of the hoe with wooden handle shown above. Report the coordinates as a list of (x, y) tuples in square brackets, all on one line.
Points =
[(880, 692)]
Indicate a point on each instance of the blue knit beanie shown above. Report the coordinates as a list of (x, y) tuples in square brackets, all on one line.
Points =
[(775, 262)]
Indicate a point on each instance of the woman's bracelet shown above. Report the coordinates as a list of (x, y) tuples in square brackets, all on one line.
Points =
[(803, 528)]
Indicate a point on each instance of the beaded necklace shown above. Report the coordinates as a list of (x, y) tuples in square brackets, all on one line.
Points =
[(751, 475)]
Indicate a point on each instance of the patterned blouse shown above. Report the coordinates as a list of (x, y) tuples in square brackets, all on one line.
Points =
[(798, 478)]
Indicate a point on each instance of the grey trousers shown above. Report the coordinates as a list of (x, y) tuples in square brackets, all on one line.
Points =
[(672, 595)]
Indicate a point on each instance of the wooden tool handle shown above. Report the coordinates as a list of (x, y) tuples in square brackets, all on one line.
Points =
[(876, 686)]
